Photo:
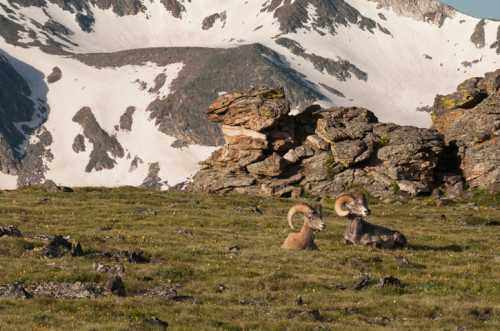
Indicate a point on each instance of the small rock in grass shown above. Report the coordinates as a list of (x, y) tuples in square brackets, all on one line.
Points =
[(15, 291), (220, 288), (137, 257), (10, 231), (116, 286), (57, 247), (390, 281), (156, 323), (362, 283), (481, 314), (234, 249)]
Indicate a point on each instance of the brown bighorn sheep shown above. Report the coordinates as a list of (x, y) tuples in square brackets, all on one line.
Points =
[(360, 232), (313, 221)]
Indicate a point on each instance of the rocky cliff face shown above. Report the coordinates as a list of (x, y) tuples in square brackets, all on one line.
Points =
[(319, 152), (16, 112), (469, 119), (432, 11)]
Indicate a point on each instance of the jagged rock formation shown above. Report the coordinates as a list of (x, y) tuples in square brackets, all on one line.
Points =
[(319, 152), (432, 11), (470, 121)]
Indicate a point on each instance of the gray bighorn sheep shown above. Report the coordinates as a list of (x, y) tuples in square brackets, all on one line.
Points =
[(313, 221), (354, 206)]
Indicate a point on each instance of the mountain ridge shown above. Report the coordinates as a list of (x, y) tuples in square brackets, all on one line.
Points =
[(180, 55)]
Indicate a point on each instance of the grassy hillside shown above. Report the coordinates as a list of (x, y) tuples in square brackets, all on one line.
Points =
[(220, 263)]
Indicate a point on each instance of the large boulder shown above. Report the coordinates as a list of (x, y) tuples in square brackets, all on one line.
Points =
[(256, 109), (469, 119)]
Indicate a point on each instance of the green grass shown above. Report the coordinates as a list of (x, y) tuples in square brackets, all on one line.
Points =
[(452, 279)]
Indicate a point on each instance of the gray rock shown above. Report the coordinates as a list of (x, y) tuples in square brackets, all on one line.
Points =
[(55, 75), (469, 119), (79, 143), (478, 36), (14, 291), (76, 290), (103, 144), (126, 120), (271, 166), (340, 68), (153, 180), (209, 21)]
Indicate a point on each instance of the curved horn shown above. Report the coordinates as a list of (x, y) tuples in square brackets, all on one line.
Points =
[(301, 208), (340, 203)]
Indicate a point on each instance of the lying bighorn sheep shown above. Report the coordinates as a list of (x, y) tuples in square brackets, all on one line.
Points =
[(312, 222), (361, 232)]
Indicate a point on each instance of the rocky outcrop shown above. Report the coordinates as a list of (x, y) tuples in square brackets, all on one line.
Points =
[(329, 15), (469, 119), (209, 21), (318, 152), (16, 108), (55, 75), (153, 180), (104, 145), (432, 11), (126, 120), (496, 44), (341, 69), (478, 36)]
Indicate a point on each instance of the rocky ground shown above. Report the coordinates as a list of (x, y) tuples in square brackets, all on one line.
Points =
[(135, 259)]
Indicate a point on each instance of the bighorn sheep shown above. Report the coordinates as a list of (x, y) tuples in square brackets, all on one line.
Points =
[(313, 221), (360, 232)]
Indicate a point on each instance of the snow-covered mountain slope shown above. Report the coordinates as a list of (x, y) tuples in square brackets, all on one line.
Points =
[(116, 89)]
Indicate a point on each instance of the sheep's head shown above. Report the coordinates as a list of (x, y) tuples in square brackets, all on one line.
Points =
[(352, 204), (313, 216)]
